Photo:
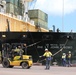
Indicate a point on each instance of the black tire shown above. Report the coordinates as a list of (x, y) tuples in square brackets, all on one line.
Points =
[(28, 67), (25, 65), (11, 66), (6, 63)]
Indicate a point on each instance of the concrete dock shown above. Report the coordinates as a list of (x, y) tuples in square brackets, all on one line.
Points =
[(38, 70)]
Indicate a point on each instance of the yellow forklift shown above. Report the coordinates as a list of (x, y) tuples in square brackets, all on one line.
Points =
[(14, 55)]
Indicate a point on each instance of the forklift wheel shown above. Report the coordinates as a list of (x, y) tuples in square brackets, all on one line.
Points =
[(11, 66), (5, 63), (25, 65)]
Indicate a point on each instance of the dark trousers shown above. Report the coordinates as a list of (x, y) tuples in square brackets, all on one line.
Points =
[(64, 62), (69, 62), (48, 62)]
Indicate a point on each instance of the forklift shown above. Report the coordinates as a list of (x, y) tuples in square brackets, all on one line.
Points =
[(11, 56)]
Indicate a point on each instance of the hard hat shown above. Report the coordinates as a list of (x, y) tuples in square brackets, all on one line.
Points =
[(46, 49), (69, 51), (19, 46), (63, 53)]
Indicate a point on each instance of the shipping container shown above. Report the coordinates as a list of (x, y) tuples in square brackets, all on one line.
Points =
[(40, 18), (38, 14), (15, 9), (41, 23)]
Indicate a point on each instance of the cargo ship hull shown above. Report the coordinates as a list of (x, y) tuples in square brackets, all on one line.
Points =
[(38, 41)]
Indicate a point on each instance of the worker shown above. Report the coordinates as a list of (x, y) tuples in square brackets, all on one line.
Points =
[(48, 55), (64, 59), (25, 48), (69, 58), (19, 51)]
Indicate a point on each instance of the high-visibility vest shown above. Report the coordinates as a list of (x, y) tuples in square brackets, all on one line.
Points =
[(69, 55), (63, 56), (47, 54)]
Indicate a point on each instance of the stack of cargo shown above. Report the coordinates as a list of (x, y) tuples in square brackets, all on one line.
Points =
[(40, 18), (14, 7)]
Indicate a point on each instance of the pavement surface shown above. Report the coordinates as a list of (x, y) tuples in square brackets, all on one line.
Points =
[(38, 70)]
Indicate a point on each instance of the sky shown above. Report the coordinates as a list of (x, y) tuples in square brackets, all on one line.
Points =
[(61, 13)]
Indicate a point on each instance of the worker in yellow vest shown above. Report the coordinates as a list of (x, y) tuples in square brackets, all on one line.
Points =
[(19, 51), (64, 59), (69, 58), (48, 55)]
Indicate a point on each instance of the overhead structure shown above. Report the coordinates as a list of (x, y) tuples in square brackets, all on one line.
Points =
[(25, 5), (3, 6)]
